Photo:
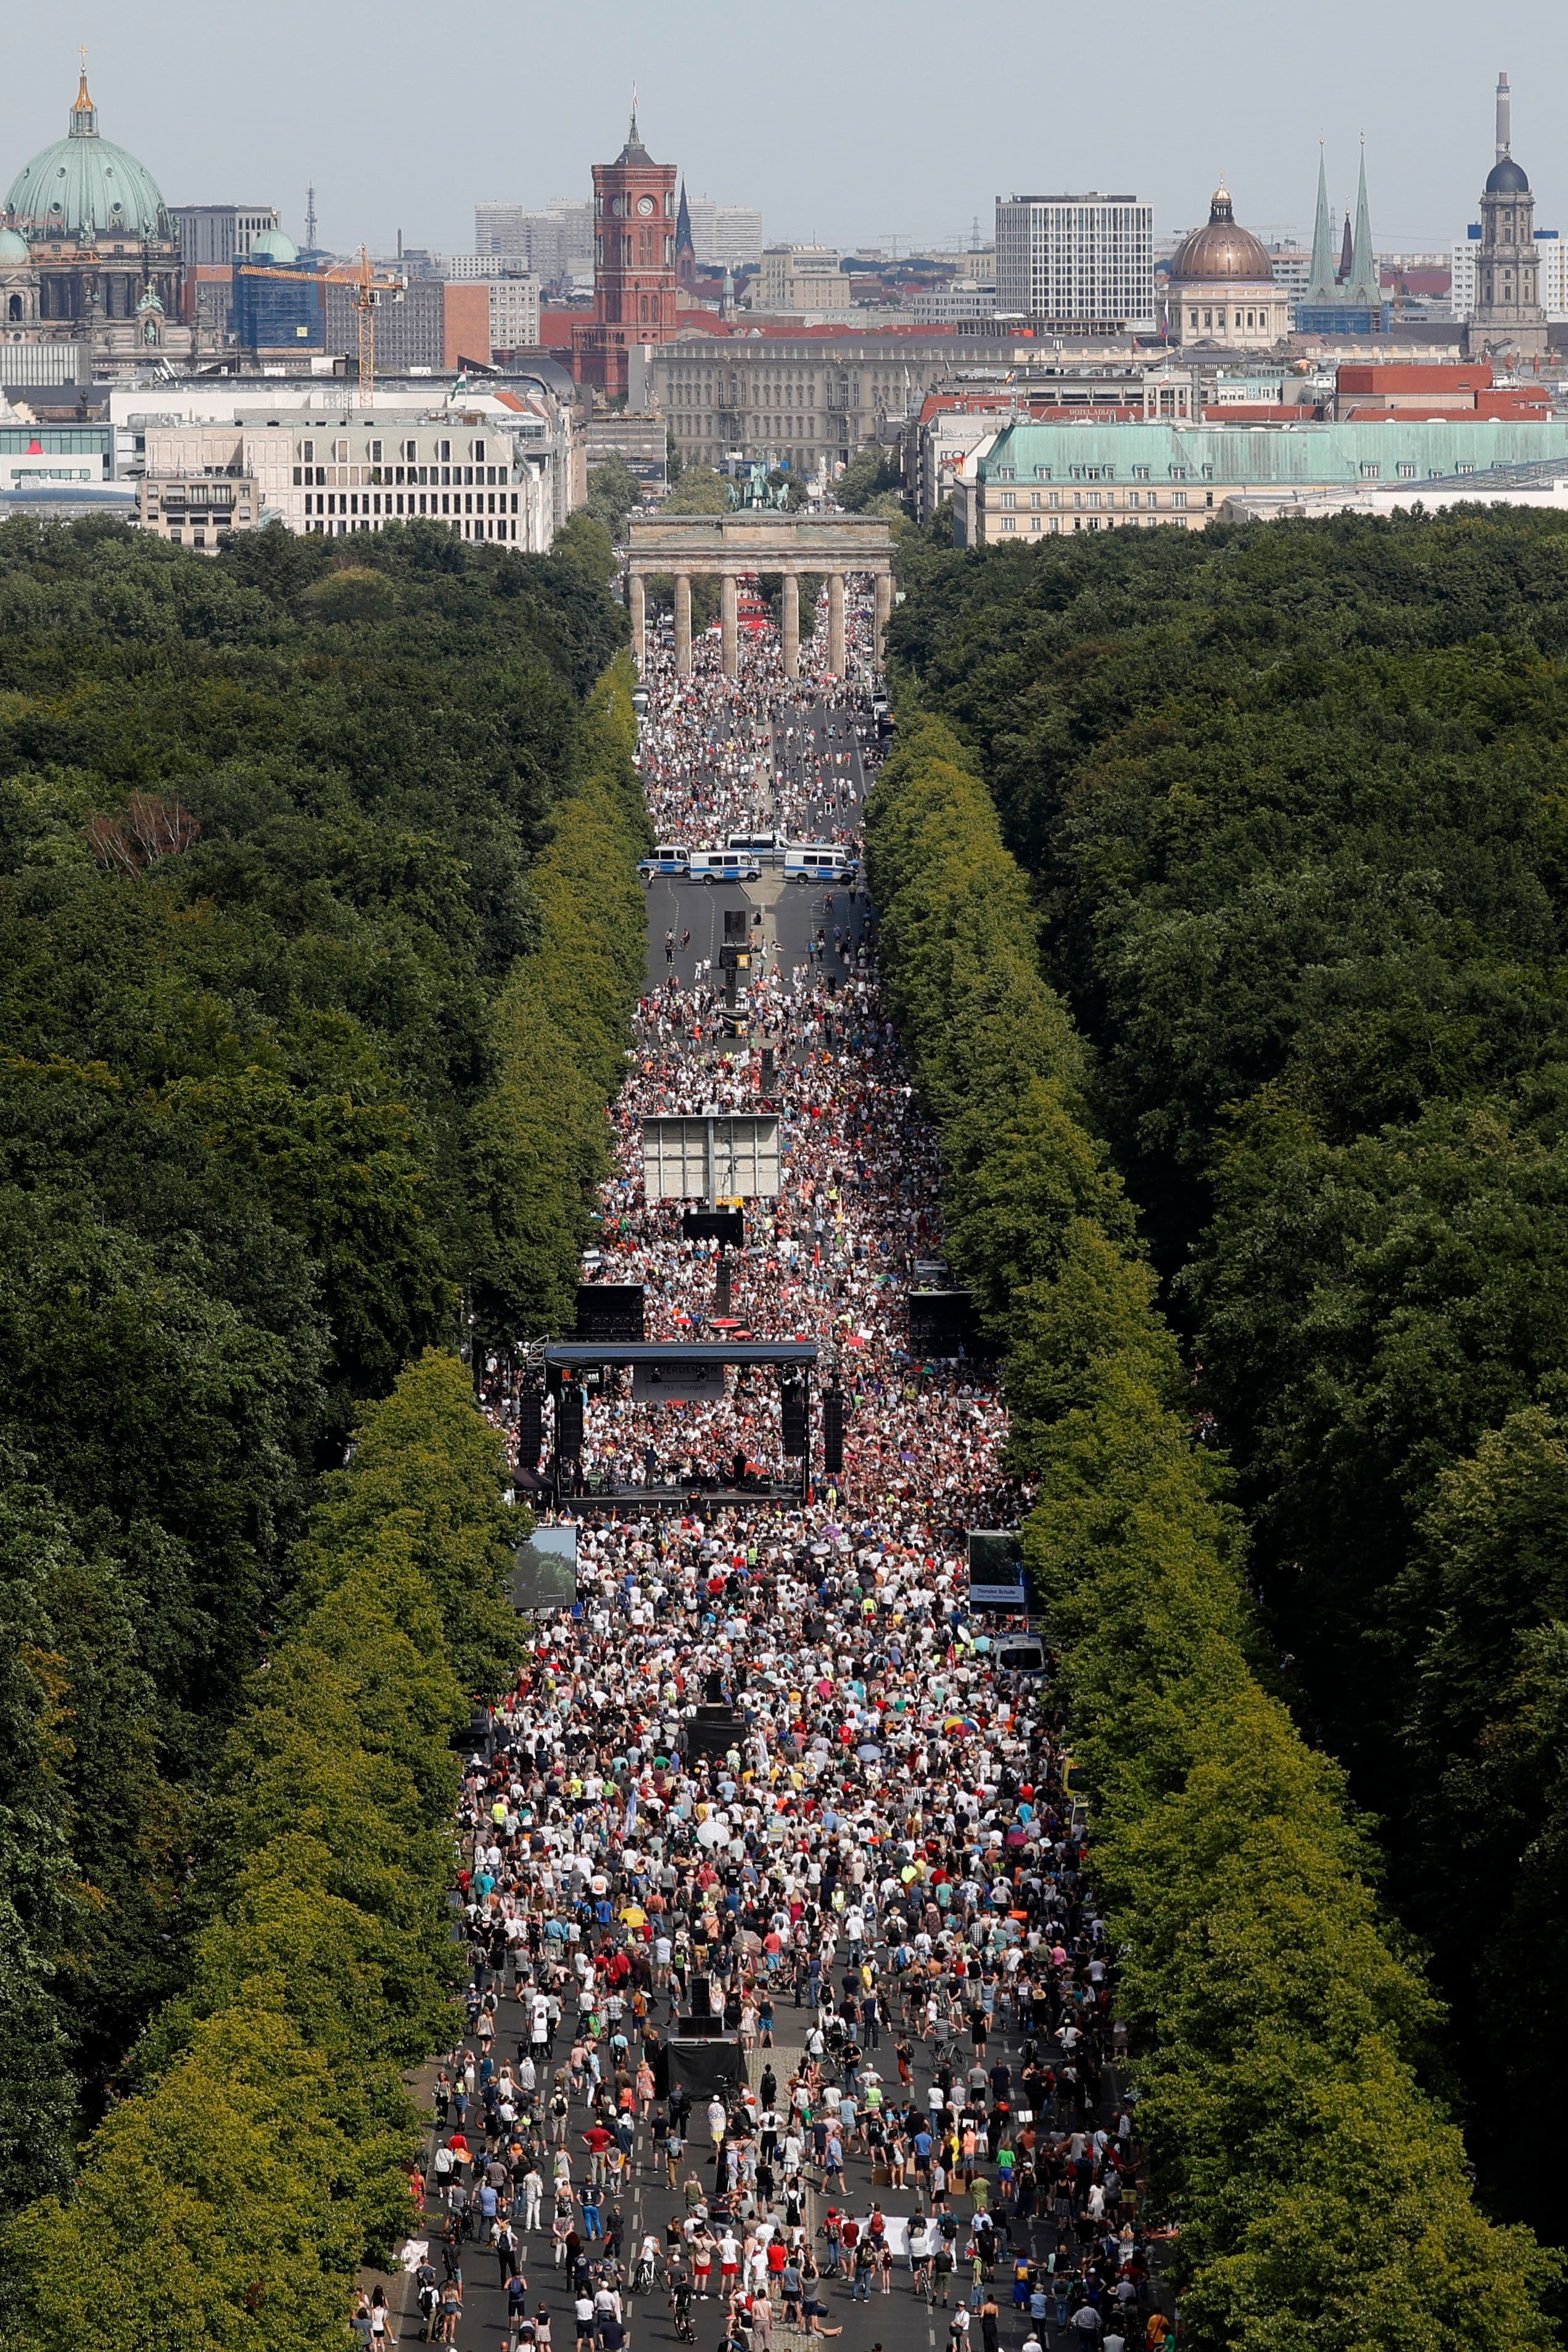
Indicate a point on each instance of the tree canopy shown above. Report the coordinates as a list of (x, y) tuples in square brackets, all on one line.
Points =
[(1291, 799), (1282, 2041), (288, 844)]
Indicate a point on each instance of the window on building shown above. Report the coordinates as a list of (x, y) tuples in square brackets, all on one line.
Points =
[(1369, 473), (307, 452), (375, 453), (340, 451)]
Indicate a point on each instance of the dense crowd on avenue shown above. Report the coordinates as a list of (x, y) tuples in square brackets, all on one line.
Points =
[(875, 1874)]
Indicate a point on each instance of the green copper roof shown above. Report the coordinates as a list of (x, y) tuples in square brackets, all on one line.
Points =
[(1331, 455), (85, 186)]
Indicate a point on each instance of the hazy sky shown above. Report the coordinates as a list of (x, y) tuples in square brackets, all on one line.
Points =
[(848, 120)]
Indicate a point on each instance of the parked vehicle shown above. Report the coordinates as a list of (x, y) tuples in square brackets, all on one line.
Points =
[(769, 847), (667, 858), (818, 861), (712, 866)]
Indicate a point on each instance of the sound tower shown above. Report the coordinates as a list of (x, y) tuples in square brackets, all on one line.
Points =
[(833, 1432), (569, 1424), (794, 1419), (530, 1429)]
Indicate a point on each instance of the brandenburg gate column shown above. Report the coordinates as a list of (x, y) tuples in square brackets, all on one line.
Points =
[(683, 624), (637, 596), (728, 605), (790, 598), (883, 607), (836, 622)]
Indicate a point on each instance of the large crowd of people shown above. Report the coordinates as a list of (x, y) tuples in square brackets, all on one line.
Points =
[(774, 1787)]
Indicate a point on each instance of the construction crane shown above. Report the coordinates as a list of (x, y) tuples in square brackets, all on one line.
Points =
[(367, 287)]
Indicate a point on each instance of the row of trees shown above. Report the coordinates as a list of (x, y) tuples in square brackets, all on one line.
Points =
[(1295, 805), (282, 847), (265, 2152), (1283, 2043)]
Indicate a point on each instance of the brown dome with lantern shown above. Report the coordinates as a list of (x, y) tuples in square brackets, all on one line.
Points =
[(1221, 289), (1219, 253)]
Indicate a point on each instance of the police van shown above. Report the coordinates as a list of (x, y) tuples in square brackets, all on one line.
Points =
[(818, 861), (767, 847), (667, 858), (723, 866)]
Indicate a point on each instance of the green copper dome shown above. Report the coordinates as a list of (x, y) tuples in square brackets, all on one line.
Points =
[(85, 186)]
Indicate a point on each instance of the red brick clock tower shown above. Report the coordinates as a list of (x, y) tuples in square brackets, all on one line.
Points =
[(633, 265)]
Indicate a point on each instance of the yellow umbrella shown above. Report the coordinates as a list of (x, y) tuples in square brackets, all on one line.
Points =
[(634, 1916)]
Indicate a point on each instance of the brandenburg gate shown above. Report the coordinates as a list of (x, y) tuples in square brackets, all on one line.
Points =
[(753, 540)]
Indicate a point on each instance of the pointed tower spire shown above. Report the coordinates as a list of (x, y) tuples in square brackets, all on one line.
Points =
[(1364, 279), (1322, 289)]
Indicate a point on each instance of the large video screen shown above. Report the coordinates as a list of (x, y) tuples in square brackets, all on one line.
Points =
[(996, 1569), (545, 1577)]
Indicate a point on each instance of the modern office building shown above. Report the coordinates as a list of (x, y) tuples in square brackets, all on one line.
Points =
[(553, 243), (427, 325), (1034, 482), (513, 313), (214, 234), (487, 477), (725, 237), (1080, 265)]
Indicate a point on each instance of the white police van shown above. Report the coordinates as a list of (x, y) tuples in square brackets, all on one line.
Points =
[(818, 861), (667, 858), (723, 866)]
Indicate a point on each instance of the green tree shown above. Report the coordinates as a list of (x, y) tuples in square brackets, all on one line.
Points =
[(700, 492), (613, 490)]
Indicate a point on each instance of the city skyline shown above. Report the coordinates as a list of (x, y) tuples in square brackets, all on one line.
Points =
[(389, 150)]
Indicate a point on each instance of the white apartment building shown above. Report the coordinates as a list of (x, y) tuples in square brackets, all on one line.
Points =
[(515, 296), (961, 297), (1083, 264), (725, 237), (513, 313), (551, 243), (800, 277)]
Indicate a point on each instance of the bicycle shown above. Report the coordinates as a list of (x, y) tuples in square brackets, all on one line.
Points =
[(945, 2053)]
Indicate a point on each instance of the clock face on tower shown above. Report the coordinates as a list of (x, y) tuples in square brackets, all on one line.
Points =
[(644, 206)]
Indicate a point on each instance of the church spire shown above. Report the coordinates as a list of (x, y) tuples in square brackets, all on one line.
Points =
[(1322, 287), (1365, 286)]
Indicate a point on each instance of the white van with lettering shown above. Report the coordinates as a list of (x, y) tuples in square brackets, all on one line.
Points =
[(712, 866), (818, 861), (668, 857)]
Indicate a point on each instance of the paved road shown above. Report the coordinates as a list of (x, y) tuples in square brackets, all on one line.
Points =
[(895, 2321)]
